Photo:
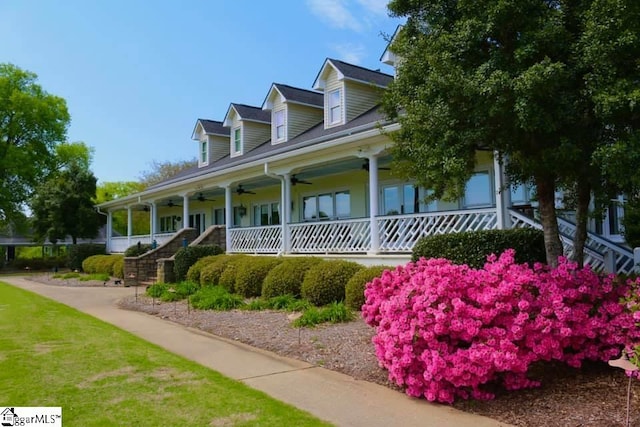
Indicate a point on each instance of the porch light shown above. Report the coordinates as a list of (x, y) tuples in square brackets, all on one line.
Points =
[(242, 211)]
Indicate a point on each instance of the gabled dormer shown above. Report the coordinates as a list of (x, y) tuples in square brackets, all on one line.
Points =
[(213, 141), (388, 56), (293, 111), (249, 127), (349, 90)]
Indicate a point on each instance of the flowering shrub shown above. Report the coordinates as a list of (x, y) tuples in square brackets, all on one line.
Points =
[(444, 330)]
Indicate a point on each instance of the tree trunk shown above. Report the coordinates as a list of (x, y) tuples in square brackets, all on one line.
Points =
[(583, 197), (545, 188)]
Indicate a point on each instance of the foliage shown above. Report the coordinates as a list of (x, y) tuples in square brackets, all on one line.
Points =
[(193, 274), (548, 91), (473, 247), (210, 273), (354, 289), (161, 171), (325, 282), (445, 331), (186, 257), (63, 206), (118, 268), (215, 298), (251, 273), (280, 302), (38, 264), (32, 123), (228, 276), (336, 312), (107, 264), (631, 222), (107, 191), (137, 250), (286, 278), (179, 291), (76, 254), (157, 289)]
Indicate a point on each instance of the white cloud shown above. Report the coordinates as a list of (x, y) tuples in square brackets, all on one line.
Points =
[(335, 13), (350, 52), (377, 7)]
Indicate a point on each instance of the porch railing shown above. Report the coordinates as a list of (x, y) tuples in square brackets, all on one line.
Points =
[(399, 233), (265, 239), (341, 236), (120, 244)]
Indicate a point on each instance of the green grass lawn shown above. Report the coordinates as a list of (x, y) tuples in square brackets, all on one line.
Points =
[(53, 355)]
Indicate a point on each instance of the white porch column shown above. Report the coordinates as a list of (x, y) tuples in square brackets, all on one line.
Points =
[(129, 225), (228, 217), (502, 194), (152, 219), (109, 231), (373, 205), (185, 211), (286, 212)]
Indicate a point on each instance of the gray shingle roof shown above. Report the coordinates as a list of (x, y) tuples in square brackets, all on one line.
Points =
[(213, 127), (355, 72), (301, 96), (254, 114)]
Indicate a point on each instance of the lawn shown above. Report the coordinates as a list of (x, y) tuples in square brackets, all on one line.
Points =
[(53, 355)]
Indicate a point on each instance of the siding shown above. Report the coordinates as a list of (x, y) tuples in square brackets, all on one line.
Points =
[(254, 134), (360, 98), (300, 118), (218, 147)]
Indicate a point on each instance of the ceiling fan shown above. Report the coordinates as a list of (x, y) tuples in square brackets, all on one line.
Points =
[(171, 204), (241, 190), (295, 180), (365, 166), (201, 198)]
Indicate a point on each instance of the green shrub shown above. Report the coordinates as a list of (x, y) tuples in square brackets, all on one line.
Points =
[(286, 278), (631, 222), (193, 274), (137, 250), (210, 273), (186, 257), (473, 247), (78, 253), (118, 267), (215, 298), (336, 312), (325, 282), (38, 264), (105, 264), (354, 290), (281, 302), (251, 272), (157, 289)]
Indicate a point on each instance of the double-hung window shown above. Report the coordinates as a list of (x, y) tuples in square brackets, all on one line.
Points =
[(266, 214), (478, 191), (204, 153), (335, 107), (326, 206), (280, 130), (237, 141)]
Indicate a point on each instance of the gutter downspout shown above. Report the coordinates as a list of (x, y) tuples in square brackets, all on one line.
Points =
[(285, 195), (151, 217), (108, 229)]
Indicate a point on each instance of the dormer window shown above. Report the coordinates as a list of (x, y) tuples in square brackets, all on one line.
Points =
[(335, 107), (237, 141), (280, 130), (204, 153)]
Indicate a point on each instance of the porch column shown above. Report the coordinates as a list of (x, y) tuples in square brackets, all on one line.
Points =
[(228, 216), (185, 211), (152, 219), (129, 225), (109, 231), (286, 212), (502, 194), (373, 205)]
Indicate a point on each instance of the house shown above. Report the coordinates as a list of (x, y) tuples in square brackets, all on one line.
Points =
[(308, 172)]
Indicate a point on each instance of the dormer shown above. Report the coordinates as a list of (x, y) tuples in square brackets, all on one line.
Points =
[(349, 90), (213, 141), (249, 127), (388, 57), (293, 111)]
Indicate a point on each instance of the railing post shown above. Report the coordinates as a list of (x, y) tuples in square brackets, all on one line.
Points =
[(609, 262)]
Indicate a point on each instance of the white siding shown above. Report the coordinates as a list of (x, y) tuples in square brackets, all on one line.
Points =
[(300, 118), (360, 98)]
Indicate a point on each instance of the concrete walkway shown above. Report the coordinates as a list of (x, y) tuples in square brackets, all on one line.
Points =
[(326, 394)]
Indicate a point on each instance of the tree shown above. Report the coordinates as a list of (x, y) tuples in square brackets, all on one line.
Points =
[(512, 76), (161, 171), (32, 123), (112, 190)]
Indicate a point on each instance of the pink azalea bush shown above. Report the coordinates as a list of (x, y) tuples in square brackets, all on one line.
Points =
[(444, 330)]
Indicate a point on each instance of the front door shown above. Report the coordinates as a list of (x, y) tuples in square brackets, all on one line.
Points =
[(197, 221)]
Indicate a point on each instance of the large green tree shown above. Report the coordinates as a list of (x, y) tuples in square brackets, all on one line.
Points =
[(32, 123), (515, 77), (160, 171), (112, 190)]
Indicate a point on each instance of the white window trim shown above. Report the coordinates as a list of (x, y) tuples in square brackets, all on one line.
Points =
[(233, 151), (316, 194), (340, 119), (274, 136), (206, 153)]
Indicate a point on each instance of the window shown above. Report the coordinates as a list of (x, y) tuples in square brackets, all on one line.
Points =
[(219, 216), (204, 153), (335, 107), (280, 133), (266, 214), (405, 199), (237, 141), (169, 224), (326, 206), (478, 191), (198, 221)]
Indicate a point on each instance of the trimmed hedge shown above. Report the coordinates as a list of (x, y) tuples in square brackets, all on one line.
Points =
[(325, 282), (41, 264), (78, 253), (104, 264), (473, 247), (186, 257), (210, 274), (354, 290), (137, 250), (287, 278), (193, 274), (251, 272)]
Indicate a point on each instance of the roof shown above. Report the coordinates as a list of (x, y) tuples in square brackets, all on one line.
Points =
[(388, 57), (294, 95), (353, 72), (248, 113), (214, 127)]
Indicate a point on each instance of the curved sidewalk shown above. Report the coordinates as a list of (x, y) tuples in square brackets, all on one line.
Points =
[(326, 394)]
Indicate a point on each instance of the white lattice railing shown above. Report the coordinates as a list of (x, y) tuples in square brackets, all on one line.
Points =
[(265, 239), (399, 233), (341, 236), (120, 244)]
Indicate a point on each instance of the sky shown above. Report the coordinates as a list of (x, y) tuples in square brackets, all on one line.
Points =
[(137, 74)]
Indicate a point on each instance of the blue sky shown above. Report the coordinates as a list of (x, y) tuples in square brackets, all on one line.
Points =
[(137, 74)]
